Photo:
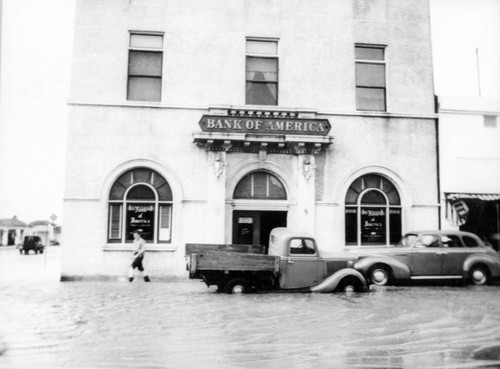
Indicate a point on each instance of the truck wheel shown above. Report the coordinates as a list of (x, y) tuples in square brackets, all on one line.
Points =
[(379, 275), (350, 284), (237, 286), (479, 275)]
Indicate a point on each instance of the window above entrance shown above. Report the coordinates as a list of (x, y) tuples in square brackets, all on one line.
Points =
[(260, 185)]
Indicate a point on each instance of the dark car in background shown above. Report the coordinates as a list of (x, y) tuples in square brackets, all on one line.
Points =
[(31, 243), (431, 255)]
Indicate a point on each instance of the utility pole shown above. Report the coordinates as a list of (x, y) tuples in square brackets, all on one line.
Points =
[(478, 72)]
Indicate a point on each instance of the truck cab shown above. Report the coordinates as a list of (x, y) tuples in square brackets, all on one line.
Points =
[(300, 264)]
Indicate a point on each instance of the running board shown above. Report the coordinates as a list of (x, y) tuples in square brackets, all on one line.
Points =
[(438, 277)]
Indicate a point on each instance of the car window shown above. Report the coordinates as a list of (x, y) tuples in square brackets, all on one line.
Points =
[(470, 241), (302, 246), (408, 240), (451, 240), (428, 240)]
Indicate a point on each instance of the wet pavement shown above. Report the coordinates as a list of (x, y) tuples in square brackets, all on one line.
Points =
[(48, 324)]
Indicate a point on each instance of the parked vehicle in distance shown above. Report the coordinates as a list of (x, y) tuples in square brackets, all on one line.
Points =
[(31, 243), (430, 255), (292, 263)]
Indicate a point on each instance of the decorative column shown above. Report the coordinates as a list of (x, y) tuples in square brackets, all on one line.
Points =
[(306, 191), (216, 196)]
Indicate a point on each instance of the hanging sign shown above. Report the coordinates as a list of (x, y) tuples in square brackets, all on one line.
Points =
[(265, 125)]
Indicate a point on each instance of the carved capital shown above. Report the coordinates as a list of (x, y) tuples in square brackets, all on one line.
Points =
[(218, 164)]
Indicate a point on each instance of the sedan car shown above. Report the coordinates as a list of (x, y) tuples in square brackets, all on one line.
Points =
[(431, 255), (31, 243)]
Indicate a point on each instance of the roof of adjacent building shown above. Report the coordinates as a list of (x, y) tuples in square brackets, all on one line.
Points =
[(39, 222), (12, 222)]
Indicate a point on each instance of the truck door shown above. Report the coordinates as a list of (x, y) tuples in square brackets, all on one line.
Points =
[(301, 267)]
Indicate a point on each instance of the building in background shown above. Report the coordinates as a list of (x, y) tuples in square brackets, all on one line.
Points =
[(12, 231), (204, 122), (469, 142)]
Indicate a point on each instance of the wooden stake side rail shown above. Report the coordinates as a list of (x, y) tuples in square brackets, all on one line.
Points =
[(231, 261), (201, 248)]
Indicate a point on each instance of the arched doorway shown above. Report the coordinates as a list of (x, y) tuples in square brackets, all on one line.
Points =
[(260, 190)]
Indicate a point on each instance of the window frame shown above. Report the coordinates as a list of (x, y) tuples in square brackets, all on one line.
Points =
[(371, 62), (145, 49), (356, 208), (262, 56), (124, 202), (250, 179)]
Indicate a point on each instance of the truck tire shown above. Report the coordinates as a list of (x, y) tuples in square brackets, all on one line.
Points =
[(350, 284), (236, 286)]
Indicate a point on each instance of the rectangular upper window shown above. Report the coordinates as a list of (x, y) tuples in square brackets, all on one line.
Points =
[(490, 121), (261, 72), (145, 62), (370, 78)]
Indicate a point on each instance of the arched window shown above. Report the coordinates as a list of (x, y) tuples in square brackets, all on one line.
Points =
[(260, 186), (140, 199), (372, 212)]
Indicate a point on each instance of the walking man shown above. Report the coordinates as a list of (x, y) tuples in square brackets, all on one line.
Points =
[(140, 249)]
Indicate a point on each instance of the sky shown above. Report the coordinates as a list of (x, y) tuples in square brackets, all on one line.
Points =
[(35, 73)]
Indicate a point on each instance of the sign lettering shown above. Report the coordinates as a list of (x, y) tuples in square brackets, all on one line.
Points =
[(212, 123)]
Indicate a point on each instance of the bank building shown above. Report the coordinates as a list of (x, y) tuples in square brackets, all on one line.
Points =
[(215, 122)]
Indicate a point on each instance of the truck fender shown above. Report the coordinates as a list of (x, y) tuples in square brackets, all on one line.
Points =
[(489, 261), (330, 283), (399, 269)]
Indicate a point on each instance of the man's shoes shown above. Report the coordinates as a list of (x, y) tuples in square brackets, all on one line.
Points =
[(146, 279)]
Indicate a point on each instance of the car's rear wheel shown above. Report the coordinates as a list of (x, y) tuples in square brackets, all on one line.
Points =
[(236, 286), (379, 275), (479, 275)]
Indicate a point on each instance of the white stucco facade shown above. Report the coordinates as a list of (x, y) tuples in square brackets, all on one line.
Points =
[(203, 74)]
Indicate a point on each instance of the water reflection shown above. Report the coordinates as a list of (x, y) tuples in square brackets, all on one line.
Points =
[(185, 324)]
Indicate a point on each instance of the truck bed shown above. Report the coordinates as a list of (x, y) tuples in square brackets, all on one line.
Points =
[(233, 261), (201, 248)]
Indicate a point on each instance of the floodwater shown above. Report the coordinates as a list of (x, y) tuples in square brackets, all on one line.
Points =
[(48, 324)]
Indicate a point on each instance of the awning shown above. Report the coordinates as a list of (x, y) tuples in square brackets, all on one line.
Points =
[(480, 196), (457, 210)]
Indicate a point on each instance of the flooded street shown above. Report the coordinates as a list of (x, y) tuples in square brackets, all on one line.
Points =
[(48, 324)]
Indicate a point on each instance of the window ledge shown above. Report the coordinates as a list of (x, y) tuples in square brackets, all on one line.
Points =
[(149, 248)]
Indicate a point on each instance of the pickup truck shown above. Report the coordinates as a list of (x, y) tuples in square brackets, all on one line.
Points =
[(292, 263)]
